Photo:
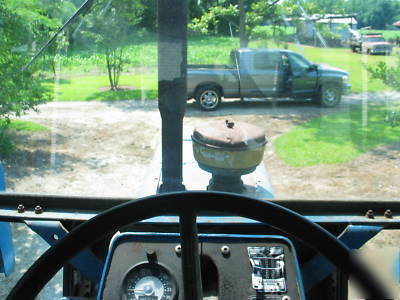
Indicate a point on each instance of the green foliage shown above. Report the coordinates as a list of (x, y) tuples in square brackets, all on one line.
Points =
[(216, 21), (20, 90), (224, 19), (337, 138), (389, 75), (379, 14), (276, 33), (326, 6)]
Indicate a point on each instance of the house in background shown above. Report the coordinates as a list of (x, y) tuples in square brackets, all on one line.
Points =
[(311, 27)]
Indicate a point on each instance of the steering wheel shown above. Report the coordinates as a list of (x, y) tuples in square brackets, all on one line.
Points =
[(187, 205)]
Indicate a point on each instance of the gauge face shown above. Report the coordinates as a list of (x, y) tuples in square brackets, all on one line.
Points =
[(148, 281)]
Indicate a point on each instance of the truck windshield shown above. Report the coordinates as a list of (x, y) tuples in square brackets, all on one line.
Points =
[(83, 117), (374, 39)]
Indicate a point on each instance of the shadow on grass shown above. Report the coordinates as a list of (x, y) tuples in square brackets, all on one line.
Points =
[(135, 105), (32, 156), (60, 81), (122, 95)]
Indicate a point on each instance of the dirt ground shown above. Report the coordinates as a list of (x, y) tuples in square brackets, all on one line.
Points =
[(105, 149)]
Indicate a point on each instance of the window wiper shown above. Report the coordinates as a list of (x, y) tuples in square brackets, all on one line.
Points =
[(85, 7)]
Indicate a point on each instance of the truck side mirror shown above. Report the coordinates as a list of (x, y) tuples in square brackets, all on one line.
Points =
[(312, 68)]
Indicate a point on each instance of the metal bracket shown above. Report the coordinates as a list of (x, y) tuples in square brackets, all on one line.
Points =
[(318, 268), (86, 262)]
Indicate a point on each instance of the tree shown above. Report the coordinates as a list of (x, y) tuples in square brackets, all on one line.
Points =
[(376, 13), (111, 25), (20, 90), (228, 15)]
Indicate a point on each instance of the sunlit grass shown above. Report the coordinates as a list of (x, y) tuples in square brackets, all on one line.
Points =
[(21, 125), (337, 138), (88, 88)]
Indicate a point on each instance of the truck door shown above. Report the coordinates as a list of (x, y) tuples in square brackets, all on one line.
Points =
[(302, 77), (262, 76)]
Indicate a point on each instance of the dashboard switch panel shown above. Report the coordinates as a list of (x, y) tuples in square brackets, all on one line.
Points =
[(268, 269)]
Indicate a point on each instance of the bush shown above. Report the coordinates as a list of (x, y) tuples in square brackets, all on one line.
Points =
[(21, 90)]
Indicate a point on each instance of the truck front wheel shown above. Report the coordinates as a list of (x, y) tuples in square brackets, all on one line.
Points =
[(330, 95), (208, 97)]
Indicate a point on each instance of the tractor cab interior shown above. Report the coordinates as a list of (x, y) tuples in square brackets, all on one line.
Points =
[(199, 204)]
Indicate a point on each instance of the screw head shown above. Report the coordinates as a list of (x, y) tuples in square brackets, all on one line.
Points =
[(225, 250), (21, 208), (388, 214), (178, 249), (369, 214), (286, 298), (38, 209)]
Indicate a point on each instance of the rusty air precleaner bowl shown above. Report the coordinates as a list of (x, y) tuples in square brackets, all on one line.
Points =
[(228, 150)]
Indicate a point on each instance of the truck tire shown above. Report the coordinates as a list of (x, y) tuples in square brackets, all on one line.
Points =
[(329, 95), (208, 97)]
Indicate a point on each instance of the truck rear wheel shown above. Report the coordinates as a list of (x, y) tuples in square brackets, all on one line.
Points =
[(208, 97), (330, 95)]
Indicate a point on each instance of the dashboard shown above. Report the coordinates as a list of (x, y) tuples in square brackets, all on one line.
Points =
[(148, 267)]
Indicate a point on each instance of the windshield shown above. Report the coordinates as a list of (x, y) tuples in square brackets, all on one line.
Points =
[(374, 39), (129, 98), (83, 118)]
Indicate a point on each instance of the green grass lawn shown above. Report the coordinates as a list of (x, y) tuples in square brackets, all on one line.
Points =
[(8, 138), (336, 138), (91, 87), (21, 125)]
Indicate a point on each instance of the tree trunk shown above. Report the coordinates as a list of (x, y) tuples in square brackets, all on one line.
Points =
[(109, 70), (244, 41)]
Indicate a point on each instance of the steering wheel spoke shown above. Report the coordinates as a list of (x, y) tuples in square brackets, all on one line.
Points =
[(190, 255)]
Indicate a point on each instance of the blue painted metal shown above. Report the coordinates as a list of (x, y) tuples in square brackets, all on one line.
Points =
[(7, 260), (86, 262), (233, 220), (397, 267), (318, 268)]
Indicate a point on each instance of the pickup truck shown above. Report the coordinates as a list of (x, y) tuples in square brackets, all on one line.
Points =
[(372, 43), (266, 73)]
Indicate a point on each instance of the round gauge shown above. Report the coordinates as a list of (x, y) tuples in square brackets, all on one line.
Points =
[(149, 281)]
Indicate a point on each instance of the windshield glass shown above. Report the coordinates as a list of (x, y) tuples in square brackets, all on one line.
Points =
[(84, 117), (374, 39)]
